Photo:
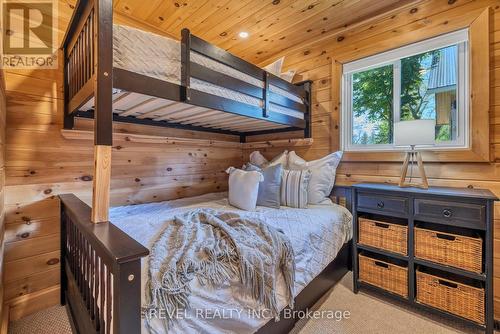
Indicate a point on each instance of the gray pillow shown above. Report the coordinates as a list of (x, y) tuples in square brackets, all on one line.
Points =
[(270, 189)]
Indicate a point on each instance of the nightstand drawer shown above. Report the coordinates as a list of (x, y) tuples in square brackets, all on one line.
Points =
[(383, 203), (453, 213)]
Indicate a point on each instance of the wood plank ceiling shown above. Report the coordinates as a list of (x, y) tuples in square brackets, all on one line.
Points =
[(273, 25)]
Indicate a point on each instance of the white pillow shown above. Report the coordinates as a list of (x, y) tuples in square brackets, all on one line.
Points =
[(288, 75), (275, 67), (243, 188), (322, 174), (294, 185), (257, 159)]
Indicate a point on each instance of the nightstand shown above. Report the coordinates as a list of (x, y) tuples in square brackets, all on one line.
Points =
[(431, 248)]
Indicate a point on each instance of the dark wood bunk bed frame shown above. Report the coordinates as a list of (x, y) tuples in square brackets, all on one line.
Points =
[(100, 264), (89, 72)]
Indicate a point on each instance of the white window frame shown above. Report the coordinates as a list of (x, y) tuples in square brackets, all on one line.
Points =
[(393, 57)]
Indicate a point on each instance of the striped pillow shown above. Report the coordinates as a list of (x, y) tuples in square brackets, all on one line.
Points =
[(294, 184)]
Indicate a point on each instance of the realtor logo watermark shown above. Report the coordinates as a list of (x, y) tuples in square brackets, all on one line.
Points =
[(29, 34)]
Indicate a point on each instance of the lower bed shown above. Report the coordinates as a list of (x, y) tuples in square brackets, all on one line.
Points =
[(316, 234)]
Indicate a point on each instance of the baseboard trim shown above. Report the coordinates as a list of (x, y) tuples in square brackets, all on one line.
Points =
[(22, 306)]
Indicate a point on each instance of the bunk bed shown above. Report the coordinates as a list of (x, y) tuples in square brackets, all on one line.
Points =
[(208, 89), (190, 85)]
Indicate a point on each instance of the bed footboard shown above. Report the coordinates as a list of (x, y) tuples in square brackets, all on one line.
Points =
[(100, 272)]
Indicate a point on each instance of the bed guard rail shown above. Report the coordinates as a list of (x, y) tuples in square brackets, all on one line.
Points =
[(192, 44)]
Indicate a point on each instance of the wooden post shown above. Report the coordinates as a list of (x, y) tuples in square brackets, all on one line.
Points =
[(103, 122), (101, 186)]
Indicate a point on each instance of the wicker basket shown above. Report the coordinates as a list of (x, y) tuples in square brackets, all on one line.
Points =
[(391, 237), (460, 299), (384, 275), (450, 249)]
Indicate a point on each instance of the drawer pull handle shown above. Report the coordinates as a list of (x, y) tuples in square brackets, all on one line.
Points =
[(382, 225), (380, 205), (381, 264), (24, 235), (448, 284), (445, 236), (447, 213)]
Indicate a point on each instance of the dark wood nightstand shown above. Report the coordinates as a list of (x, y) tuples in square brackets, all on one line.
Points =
[(431, 248)]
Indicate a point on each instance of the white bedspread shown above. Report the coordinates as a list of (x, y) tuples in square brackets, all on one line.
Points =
[(316, 234)]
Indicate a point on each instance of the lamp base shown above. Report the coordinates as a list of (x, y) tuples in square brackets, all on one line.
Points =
[(411, 156)]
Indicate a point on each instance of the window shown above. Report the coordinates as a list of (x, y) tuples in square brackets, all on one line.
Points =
[(425, 80)]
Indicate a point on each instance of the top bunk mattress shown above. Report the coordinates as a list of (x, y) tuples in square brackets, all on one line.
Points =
[(316, 234), (160, 57)]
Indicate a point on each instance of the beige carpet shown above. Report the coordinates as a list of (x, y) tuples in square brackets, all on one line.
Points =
[(368, 314), (373, 314), (53, 320)]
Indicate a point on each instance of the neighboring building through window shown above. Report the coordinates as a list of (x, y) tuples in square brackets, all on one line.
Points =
[(425, 80)]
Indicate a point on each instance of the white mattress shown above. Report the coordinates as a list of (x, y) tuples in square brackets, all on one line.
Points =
[(316, 234), (160, 57)]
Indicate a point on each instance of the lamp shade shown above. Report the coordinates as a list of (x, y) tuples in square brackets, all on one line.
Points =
[(417, 132)]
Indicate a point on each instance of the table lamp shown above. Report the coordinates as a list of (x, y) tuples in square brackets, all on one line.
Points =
[(411, 133)]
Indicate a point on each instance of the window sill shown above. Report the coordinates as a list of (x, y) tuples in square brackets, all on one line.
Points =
[(467, 155)]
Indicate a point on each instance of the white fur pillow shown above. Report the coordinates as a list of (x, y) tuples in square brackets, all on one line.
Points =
[(257, 159), (243, 188), (322, 174)]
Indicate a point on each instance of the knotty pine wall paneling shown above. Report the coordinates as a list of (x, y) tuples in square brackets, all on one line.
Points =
[(41, 163), (3, 112), (316, 61)]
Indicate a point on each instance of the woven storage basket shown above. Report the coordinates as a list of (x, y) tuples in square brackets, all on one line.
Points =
[(387, 236), (450, 249), (460, 299), (385, 275)]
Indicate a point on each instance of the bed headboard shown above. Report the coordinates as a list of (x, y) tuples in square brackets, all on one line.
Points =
[(342, 195)]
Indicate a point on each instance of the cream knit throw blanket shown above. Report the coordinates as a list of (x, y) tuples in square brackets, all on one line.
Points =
[(215, 247)]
